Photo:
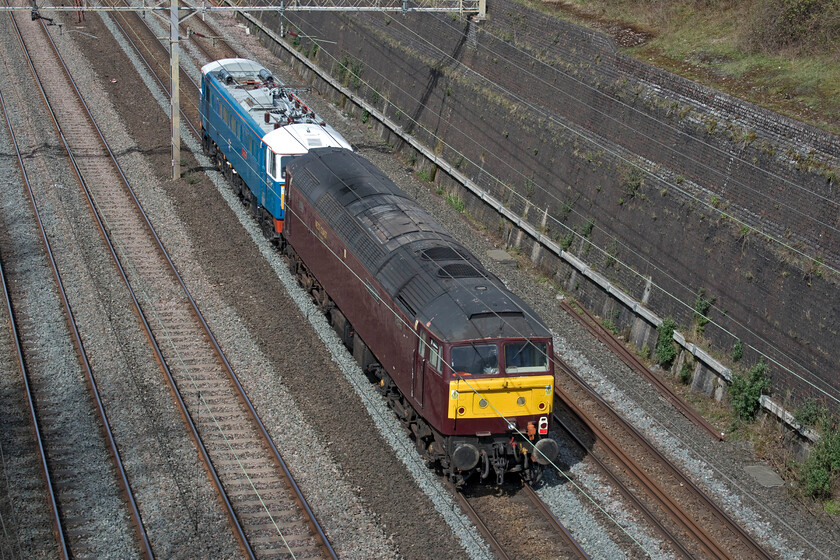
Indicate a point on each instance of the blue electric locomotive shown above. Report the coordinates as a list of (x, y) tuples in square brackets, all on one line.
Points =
[(253, 126)]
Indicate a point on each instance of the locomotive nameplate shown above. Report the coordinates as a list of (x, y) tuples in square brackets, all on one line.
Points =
[(321, 231)]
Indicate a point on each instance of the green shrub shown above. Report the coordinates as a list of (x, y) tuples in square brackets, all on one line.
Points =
[(737, 351), (807, 25), (632, 179), (702, 304), (566, 242), (664, 350), (821, 469), (686, 373), (455, 202), (811, 413), (745, 391), (816, 479)]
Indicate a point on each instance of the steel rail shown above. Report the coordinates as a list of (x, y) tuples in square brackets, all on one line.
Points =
[(163, 85), (551, 518), (123, 477), (101, 226), (673, 509), (58, 530), (587, 319), (472, 514), (293, 486), (312, 519), (624, 490)]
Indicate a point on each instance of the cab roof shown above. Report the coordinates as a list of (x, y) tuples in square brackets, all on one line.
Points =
[(283, 120)]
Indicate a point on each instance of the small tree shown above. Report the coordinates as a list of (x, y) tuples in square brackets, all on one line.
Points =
[(822, 467), (746, 390), (737, 351), (665, 351)]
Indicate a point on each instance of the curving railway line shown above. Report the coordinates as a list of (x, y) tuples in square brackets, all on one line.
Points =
[(267, 511), (144, 36), (679, 521), (60, 434)]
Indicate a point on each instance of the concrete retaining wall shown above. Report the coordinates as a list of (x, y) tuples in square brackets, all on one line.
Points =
[(684, 187)]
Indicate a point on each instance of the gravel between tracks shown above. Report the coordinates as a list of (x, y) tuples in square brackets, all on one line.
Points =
[(340, 460)]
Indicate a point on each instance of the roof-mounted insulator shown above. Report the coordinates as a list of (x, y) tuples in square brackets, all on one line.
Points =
[(266, 76)]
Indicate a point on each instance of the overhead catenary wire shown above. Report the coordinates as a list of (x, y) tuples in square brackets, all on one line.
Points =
[(754, 499), (551, 358), (763, 353)]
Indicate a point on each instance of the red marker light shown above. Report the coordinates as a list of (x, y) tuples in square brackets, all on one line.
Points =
[(543, 429)]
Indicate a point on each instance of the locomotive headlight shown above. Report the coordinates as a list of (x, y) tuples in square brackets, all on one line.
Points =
[(482, 403), (520, 401)]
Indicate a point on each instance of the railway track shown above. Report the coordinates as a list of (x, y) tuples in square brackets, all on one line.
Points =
[(63, 432), (692, 522), (155, 56), (587, 319), (516, 523), (167, 88), (266, 509), (684, 522)]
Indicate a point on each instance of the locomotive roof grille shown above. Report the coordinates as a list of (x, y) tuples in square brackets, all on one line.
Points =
[(498, 315), (442, 254), (459, 270)]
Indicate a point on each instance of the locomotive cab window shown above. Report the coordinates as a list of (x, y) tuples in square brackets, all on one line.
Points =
[(422, 343), (525, 357), (276, 164), (284, 161), (271, 164), (476, 359), (434, 355)]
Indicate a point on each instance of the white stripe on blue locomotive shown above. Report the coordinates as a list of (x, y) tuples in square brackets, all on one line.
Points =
[(259, 125)]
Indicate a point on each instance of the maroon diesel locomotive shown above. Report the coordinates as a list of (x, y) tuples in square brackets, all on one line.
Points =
[(465, 363)]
